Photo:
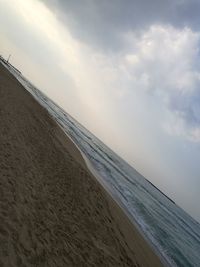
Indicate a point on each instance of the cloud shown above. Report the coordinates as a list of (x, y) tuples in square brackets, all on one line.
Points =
[(164, 63), (102, 23), (150, 46), (160, 60)]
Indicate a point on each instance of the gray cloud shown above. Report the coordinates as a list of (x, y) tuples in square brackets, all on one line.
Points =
[(101, 23), (187, 107), (132, 28), (152, 60)]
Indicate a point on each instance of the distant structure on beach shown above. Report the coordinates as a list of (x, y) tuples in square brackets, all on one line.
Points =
[(8, 58), (8, 63)]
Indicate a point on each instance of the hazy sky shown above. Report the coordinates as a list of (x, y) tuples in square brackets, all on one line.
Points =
[(128, 70)]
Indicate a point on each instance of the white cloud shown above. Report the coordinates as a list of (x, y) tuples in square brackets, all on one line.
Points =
[(164, 62)]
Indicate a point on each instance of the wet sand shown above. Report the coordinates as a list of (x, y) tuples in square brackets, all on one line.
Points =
[(53, 212)]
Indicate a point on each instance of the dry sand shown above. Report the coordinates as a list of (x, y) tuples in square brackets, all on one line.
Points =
[(53, 212)]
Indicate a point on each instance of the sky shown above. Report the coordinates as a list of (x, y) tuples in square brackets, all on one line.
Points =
[(128, 70)]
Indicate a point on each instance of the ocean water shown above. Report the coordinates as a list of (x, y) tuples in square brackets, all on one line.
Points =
[(169, 229)]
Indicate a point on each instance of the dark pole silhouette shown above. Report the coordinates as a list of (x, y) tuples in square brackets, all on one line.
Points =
[(8, 58)]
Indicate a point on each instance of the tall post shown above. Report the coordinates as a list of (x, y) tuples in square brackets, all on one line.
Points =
[(8, 58)]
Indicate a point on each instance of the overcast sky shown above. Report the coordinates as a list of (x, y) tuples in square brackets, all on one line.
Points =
[(128, 70)]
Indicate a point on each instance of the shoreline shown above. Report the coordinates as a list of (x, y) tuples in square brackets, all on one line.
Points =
[(117, 201), (109, 216)]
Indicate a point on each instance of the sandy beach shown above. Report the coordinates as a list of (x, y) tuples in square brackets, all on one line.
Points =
[(53, 211)]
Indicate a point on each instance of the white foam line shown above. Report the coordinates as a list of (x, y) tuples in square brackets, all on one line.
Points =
[(165, 261)]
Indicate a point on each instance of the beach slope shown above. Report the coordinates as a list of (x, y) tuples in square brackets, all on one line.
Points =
[(53, 212)]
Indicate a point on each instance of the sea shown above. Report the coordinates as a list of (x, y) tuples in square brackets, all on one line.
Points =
[(173, 234)]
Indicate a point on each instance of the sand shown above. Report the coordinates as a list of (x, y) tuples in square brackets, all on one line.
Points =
[(53, 212)]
